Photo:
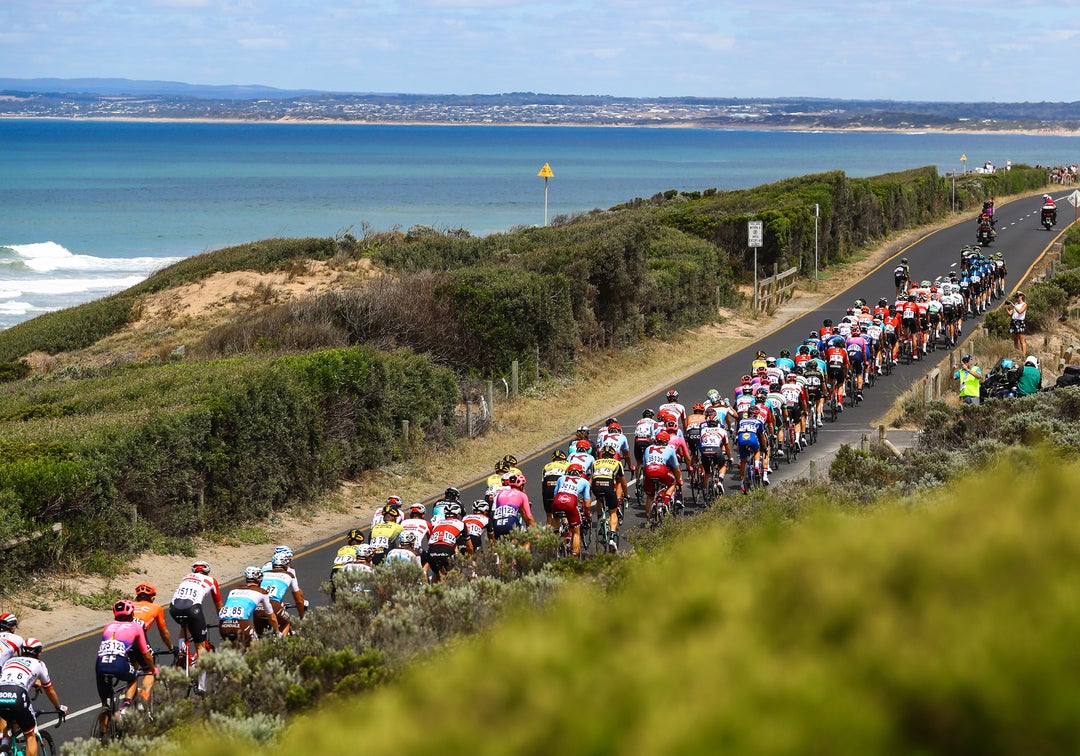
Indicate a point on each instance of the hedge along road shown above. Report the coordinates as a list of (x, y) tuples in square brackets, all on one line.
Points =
[(1020, 238)]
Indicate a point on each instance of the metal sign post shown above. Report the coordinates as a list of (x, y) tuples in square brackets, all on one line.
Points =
[(1074, 200), (545, 173), (754, 231), (817, 215)]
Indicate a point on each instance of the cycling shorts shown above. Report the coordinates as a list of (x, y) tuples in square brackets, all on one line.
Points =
[(795, 412), (547, 493), (654, 474), (440, 557), (837, 374), (748, 447), (640, 445), (567, 504), (712, 458), (239, 631), (607, 498), (120, 668), (15, 707), (508, 520), (187, 612)]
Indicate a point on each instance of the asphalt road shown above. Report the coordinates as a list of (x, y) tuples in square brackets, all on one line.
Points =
[(1020, 237)]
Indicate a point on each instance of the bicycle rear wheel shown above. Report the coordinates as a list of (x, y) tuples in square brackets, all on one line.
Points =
[(46, 746)]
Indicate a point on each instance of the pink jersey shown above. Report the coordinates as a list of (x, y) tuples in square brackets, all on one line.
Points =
[(681, 449), (119, 638), (511, 497)]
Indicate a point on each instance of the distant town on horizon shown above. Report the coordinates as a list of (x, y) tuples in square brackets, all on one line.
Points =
[(150, 100)]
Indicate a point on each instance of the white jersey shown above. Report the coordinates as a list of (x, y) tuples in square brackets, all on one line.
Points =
[(645, 429), (420, 527), (10, 645), (406, 556), (712, 437), (194, 587), (24, 671)]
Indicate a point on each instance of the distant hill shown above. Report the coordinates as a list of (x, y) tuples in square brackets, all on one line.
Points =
[(146, 87)]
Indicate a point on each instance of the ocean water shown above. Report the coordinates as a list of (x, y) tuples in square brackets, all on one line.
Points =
[(89, 208)]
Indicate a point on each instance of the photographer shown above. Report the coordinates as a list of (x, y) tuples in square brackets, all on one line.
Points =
[(1017, 325)]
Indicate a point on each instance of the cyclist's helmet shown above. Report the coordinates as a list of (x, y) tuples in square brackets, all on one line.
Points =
[(699, 407), (145, 589), (391, 511), (575, 469), (280, 561), (393, 500), (408, 538), (712, 422), (761, 370), (648, 413), (201, 567), (925, 284), (663, 437), (8, 622), (713, 396), (710, 413), (284, 550), (672, 426), (511, 460), (815, 335), (774, 386), (761, 354), (746, 380), (583, 430), (608, 451), (903, 261), (883, 302), (827, 322), (253, 574), (454, 511), (32, 647), (672, 395), (513, 480), (770, 362), (583, 445), (355, 536), (614, 427), (785, 354), (418, 511), (804, 349), (502, 466), (611, 420), (855, 330), (559, 455), (365, 551), (451, 493), (851, 311), (791, 377), (481, 506), (838, 341), (123, 609)]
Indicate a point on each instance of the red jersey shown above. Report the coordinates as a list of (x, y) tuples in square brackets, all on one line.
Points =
[(448, 533)]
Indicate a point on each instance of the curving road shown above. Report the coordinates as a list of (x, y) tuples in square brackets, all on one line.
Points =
[(1020, 237)]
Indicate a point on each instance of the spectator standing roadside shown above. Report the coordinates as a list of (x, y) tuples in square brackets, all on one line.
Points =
[(970, 377), (1030, 379), (1018, 324)]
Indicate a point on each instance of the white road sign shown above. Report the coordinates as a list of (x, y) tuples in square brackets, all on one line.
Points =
[(756, 234), (1074, 198)]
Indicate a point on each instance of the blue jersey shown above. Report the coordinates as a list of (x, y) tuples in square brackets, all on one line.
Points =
[(746, 433)]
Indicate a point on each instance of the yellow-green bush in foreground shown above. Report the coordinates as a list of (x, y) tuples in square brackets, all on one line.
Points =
[(949, 625)]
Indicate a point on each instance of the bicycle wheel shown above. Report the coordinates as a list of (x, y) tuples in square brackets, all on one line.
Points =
[(586, 535), (46, 747), (101, 731)]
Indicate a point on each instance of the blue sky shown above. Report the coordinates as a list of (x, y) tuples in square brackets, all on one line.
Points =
[(991, 50)]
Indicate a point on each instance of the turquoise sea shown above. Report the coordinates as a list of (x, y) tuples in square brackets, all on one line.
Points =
[(89, 208)]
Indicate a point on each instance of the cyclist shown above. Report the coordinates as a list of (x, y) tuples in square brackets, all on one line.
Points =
[(645, 431), (797, 403), (661, 469), (123, 643), (512, 466), (446, 537), (280, 581), (186, 607), (671, 409), (408, 552), (583, 456), (609, 487), (416, 522), (10, 641), (393, 501), (511, 507), (19, 674), (571, 490), (858, 357), (450, 496), (901, 275), (614, 436), (478, 521), (149, 614), (347, 553), (245, 608), (768, 419), (501, 468), (581, 434), (693, 435), (384, 535), (750, 438), (553, 470), (715, 450), (839, 363)]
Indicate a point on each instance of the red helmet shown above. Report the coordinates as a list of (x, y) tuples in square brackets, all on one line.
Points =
[(672, 395), (583, 445), (123, 608), (671, 425), (515, 481), (663, 437), (575, 469), (699, 407), (746, 380), (615, 428)]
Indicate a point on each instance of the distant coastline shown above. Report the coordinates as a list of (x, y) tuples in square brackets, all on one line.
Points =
[(1057, 131)]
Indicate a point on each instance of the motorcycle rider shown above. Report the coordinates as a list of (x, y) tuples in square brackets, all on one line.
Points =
[(1049, 205)]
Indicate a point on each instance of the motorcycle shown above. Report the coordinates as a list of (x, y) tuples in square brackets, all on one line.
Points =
[(986, 235), (1048, 218), (1001, 381)]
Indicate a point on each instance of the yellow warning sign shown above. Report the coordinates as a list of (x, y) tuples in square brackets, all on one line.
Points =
[(545, 172), (964, 158)]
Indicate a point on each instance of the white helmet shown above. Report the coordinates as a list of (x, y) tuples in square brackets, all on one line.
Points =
[(1033, 361)]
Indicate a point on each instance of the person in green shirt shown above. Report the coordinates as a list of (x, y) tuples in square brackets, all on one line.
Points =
[(970, 377), (1031, 378)]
